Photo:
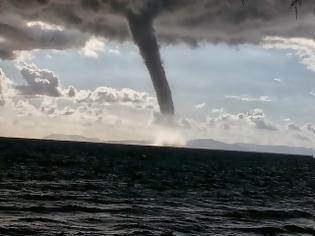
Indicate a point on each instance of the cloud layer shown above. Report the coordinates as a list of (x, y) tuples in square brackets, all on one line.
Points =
[(56, 24), (112, 114), (43, 82)]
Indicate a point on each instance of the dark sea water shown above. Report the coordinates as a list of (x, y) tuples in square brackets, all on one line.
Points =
[(60, 188)]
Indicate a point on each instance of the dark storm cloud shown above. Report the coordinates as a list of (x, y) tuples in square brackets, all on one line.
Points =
[(189, 21), (20, 35)]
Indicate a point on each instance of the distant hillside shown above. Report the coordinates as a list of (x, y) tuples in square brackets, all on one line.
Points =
[(131, 142), (79, 138), (212, 144), (197, 143)]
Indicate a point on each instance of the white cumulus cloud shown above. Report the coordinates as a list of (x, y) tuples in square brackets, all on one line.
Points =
[(304, 48), (277, 80), (93, 47), (200, 105), (246, 98), (39, 81)]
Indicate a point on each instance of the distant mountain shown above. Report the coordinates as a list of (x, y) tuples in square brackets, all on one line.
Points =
[(212, 144), (131, 142), (78, 138), (198, 143)]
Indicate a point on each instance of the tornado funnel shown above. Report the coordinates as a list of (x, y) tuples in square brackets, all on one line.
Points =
[(143, 35)]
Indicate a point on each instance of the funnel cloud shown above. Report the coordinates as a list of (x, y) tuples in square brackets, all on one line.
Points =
[(143, 35), (1, 97)]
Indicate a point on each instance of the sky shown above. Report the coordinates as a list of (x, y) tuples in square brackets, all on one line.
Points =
[(258, 87)]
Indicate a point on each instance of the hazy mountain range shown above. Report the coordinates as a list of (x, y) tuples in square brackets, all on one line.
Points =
[(199, 143), (212, 144), (78, 138)]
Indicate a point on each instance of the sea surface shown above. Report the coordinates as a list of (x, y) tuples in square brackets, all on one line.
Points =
[(67, 188)]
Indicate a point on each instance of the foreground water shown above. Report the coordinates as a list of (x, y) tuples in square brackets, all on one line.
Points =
[(60, 188)]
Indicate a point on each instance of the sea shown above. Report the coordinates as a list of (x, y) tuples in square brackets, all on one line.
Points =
[(76, 188)]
